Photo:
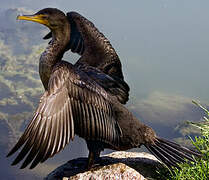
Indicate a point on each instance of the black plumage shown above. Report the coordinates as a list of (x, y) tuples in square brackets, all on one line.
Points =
[(85, 99), (97, 53)]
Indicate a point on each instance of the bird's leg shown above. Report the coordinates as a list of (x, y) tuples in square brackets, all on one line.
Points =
[(92, 158), (95, 149)]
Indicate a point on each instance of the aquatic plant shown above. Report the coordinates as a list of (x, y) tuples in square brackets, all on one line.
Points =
[(20, 86)]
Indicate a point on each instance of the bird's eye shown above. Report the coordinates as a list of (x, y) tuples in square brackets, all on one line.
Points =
[(44, 17)]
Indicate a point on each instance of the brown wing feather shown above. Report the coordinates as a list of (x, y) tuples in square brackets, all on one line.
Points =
[(51, 128), (96, 46), (93, 115), (74, 103)]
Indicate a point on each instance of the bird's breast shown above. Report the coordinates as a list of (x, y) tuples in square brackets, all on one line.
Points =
[(45, 72)]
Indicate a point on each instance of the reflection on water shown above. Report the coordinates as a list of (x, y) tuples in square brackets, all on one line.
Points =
[(162, 99)]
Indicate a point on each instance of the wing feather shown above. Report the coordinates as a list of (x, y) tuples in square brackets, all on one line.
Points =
[(73, 104), (42, 140), (36, 146), (46, 144)]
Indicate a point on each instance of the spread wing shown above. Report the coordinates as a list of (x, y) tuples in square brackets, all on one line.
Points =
[(51, 128), (88, 41), (94, 116), (114, 87), (94, 48), (73, 104)]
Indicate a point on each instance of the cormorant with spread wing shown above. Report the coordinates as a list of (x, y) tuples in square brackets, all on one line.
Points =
[(97, 54), (85, 99)]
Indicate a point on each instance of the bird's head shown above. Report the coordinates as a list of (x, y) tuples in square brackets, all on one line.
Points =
[(51, 17)]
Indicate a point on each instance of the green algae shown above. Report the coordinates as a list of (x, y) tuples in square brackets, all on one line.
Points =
[(20, 85), (19, 89)]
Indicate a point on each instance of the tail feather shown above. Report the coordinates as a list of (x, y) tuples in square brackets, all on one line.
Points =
[(171, 153), (175, 145), (160, 156), (173, 158), (181, 152)]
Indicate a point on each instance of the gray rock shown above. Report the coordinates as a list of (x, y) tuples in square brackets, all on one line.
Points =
[(117, 165)]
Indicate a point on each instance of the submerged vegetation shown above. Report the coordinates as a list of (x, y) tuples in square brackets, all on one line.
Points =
[(198, 170), (20, 86)]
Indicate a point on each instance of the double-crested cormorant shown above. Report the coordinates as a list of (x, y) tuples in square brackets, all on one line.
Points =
[(98, 54), (85, 99)]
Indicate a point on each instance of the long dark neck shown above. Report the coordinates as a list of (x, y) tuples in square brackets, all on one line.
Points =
[(53, 53)]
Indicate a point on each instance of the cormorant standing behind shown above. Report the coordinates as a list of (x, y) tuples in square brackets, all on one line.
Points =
[(85, 99)]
